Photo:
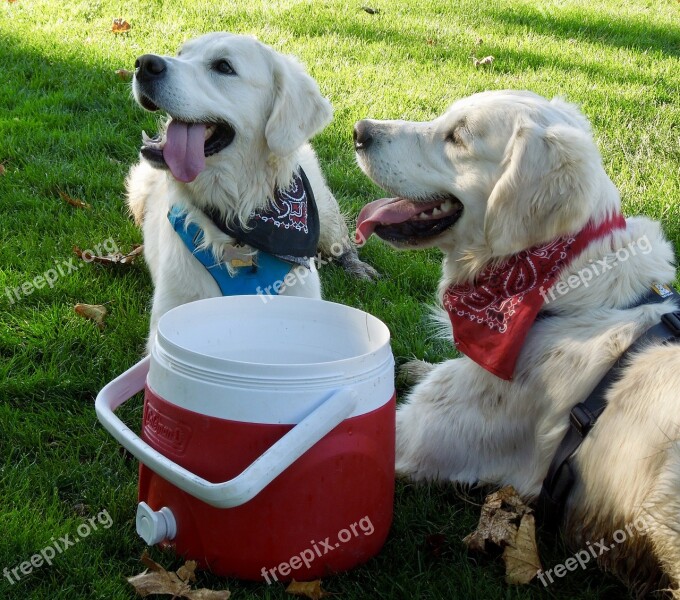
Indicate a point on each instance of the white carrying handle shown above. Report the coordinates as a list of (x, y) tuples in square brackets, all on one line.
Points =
[(254, 478)]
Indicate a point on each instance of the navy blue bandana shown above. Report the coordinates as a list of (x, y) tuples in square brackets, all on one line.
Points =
[(289, 227)]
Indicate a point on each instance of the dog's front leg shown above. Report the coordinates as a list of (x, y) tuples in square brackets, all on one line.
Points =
[(334, 241), (461, 423)]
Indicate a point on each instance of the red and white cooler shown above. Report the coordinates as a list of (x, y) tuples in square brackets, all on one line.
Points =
[(267, 443)]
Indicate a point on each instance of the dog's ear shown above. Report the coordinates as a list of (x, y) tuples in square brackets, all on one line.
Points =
[(547, 188), (299, 110)]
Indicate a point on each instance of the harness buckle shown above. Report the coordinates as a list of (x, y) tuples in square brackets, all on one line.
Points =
[(582, 419), (672, 321)]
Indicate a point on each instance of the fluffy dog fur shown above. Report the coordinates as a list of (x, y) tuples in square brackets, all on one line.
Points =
[(526, 170), (274, 108)]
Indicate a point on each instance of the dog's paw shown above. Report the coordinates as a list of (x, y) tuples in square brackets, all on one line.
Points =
[(351, 262), (414, 371)]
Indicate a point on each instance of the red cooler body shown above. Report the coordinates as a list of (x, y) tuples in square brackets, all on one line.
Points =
[(267, 449)]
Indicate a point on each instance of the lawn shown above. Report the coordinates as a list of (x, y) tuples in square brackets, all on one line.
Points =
[(68, 126)]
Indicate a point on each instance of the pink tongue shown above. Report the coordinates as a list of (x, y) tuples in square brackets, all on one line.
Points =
[(183, 150), (387, 211)]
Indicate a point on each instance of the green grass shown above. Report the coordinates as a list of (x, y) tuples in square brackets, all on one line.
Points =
[(67, 123)]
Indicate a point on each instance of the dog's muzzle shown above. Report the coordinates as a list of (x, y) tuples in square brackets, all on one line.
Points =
[(185, 142)]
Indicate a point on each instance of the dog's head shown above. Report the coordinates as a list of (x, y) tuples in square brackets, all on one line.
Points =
[(226, 93), (497, 173)]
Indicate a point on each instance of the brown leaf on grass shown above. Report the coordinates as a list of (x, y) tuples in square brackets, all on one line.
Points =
[(115, 259), (521, 558), (3, 170), (309, 589), (74, 201), (206, 594), (124, 74), (94, 312), (120, 26), (187, 572), (481, 62), (507, 523), (156, 580), (370, 11)]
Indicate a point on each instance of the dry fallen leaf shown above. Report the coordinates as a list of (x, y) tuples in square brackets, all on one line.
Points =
[(74, 201), (309, 589), (94, 312), (156, 580), (507, 523), (187, 572), (521, 558), (479, 62), (110, 259), (120, 26), (3, 170), (370, 11), (124, 74)]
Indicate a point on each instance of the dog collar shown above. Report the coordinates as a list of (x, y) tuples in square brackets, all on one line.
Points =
[(491, 317), (289, 227)]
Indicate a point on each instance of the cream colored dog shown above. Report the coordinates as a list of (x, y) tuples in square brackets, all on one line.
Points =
[(241, 115), (498, 173)]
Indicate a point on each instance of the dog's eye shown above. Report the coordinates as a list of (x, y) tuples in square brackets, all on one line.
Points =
[(223, 66)]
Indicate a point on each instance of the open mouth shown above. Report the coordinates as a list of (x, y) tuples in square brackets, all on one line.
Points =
[(183, 147), (407, 221)]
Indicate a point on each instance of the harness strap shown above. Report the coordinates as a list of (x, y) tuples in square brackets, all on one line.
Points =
[(561, 475), (264, 274)]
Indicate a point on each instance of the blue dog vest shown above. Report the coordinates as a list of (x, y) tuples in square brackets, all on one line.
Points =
[(285, 234), (265, 273)]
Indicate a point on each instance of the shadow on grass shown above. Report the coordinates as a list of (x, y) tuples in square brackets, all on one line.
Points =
[(606, 29), (631, 33)]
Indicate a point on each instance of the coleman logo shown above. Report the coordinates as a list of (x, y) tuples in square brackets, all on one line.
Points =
[(164, 430)]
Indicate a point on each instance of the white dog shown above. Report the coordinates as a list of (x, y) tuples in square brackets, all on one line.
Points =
[(241, 115), (500, 182)]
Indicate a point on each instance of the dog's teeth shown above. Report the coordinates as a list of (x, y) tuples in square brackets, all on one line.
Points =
[(422, 216), (156, 143), (447, 206), (436, 211), (209, 131)]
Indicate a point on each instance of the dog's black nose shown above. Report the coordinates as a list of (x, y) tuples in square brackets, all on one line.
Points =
[(362, 135), (149, 66)]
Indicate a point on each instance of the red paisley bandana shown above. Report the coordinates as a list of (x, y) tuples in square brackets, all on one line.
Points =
[(492, 316)]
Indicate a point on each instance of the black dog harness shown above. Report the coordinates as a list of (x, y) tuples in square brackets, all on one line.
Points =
[(561, 475)]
